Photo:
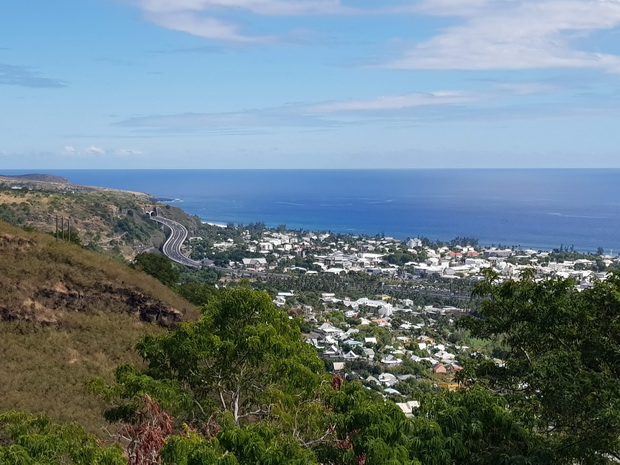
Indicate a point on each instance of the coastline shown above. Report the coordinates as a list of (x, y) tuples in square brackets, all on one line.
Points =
[(540, 209)]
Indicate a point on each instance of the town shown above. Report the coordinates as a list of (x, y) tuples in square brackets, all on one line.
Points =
[(377, 309)]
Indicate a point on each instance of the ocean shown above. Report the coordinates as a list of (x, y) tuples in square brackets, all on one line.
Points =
[(539, 209)]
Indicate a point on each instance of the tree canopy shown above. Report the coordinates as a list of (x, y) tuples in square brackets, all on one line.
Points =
[(239, 386), (158, 266), (242, 356), (561, 373), (34, 440)]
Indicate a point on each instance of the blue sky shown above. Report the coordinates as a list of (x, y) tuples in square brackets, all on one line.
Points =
[(309, 84)]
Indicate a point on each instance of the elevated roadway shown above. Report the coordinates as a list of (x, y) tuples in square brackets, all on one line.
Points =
[(172, 246)]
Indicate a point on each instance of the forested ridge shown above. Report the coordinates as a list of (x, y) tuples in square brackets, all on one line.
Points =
[(240, 386)]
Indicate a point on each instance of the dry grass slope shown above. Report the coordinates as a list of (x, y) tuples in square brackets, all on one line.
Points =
[(67, 314)]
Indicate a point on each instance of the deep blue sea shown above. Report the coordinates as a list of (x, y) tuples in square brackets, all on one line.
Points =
[(540, 209)]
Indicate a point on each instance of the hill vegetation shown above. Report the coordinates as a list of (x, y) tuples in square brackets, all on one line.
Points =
[(107, 220), (68, 314), (240, 388)]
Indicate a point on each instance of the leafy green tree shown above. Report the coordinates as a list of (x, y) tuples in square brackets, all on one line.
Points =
[(473, 427), (158, 266), (562, 368), (34, 440), (256, 444), (479, 428), (243, 356), (197, 293)]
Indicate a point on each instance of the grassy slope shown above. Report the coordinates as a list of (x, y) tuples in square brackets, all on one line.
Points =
[(67, 314)]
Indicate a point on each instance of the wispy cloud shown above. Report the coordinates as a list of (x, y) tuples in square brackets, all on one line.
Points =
[(514, 35), (22, 76), (489, 34), (127, 152), (211, 19), (500, 101), (95, 151), (319, 115), (205, 26), (396, 102), (261, 7), (526, 88), (216, 122)]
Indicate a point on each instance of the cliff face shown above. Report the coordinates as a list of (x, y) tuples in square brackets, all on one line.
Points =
[(42, 279)]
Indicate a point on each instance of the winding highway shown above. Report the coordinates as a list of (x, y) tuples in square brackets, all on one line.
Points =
[(172, 247)]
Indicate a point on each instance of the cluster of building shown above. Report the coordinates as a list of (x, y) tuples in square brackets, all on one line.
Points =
[(338, 255), (407, 333), (382, 341)]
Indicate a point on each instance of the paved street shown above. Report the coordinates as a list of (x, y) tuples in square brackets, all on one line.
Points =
[(172, 247)]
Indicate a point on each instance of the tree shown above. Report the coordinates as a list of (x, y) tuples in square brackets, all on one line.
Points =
[(247, 390), (257, 444), (197, 293), (158, 266), (34, 440), (243, 356), (472, 427), (562, 369)]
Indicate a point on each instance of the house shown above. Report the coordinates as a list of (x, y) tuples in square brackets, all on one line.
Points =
[(392, 391), (369, 353), (439, 368), (331, 351), (350, 355), (388, 379), (328, 329), (413, 243), (338, 366), (407, 407), (353, 343), (390, 360), (255, 263), (265, 247)]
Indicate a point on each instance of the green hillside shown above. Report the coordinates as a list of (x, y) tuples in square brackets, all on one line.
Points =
[(66, 315), (107, 220)]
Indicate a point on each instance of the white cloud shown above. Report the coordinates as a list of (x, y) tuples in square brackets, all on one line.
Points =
[(525, 88), (200, 17), (514, 34), (207, 27), (95, 150), (70, 150), (459, 7), (396, 102), (324, 114), (126, 152), (261, 7), (204, 18)]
